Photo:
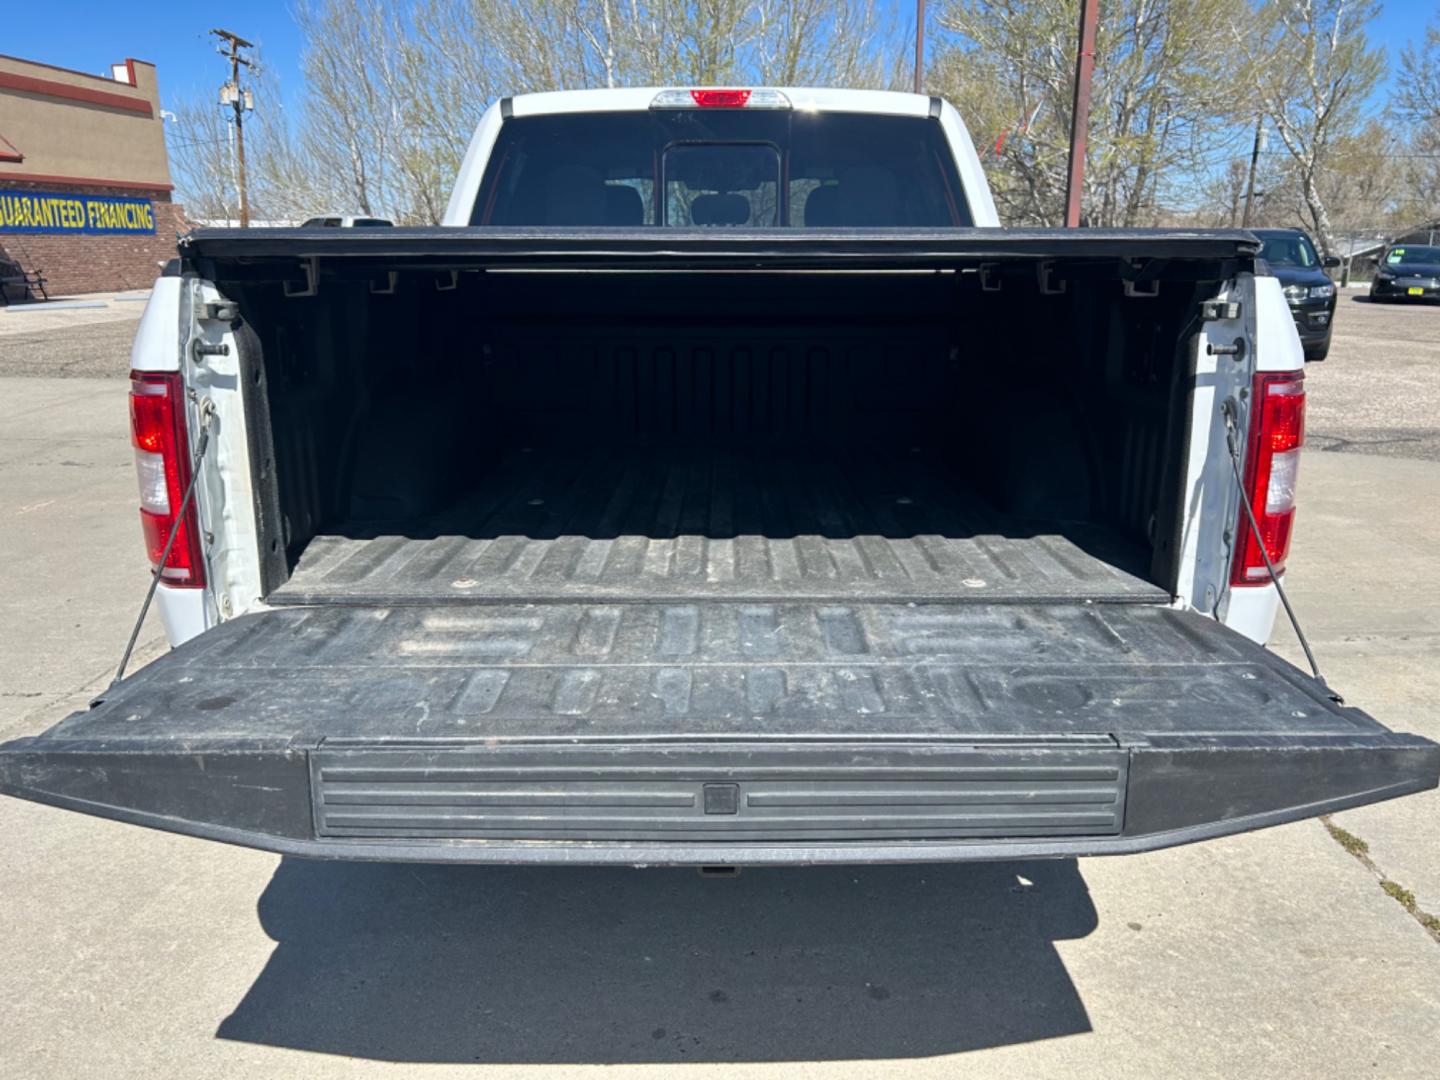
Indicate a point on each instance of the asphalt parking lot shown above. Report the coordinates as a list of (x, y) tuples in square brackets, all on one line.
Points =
[(1283, 953), (1381, 394)]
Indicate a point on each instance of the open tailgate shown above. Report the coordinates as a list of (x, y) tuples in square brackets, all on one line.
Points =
[(674, 733)]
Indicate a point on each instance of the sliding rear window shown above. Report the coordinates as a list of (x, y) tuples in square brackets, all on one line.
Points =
[(722, 167)]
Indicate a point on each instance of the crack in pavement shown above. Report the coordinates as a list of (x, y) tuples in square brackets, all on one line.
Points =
[(1358, 848), (1411, 442)]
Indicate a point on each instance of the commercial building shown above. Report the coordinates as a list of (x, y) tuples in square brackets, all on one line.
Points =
[(85, 191)]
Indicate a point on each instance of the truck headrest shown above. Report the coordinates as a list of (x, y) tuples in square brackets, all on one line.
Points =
[(720, 210), (623, 205), (822, 207), (869, 196), (575, 195)]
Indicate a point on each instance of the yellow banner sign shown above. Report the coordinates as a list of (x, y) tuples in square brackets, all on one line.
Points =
[(58, 212)]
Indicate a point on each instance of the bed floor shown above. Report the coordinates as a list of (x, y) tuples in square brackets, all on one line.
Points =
[(753, 523)]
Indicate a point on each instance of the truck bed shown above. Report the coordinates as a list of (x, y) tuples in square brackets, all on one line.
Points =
[(760, 562), (744, 523)]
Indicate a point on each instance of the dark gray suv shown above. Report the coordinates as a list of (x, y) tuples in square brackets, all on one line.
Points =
[(1308, 289)]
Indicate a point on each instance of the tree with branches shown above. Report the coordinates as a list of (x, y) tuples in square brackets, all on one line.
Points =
[(1417, 109), (1160, 104), (1312, 67)]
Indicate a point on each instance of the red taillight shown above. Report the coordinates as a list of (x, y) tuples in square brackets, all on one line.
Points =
[(720, 99), (1277, 431), (162, 465)]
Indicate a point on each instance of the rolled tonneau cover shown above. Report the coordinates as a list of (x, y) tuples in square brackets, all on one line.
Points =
[(727, 248)]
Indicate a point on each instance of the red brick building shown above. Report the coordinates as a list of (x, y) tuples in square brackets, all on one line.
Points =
[(85, 191)]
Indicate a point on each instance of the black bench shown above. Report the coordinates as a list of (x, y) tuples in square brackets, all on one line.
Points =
[(13, 275)]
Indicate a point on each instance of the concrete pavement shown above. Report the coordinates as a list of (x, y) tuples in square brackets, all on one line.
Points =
[(1366, 584), (74, 570), (36, 340), (133, 953)]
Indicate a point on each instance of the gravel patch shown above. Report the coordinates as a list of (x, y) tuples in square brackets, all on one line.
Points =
[(89, 350), (1379, 391)]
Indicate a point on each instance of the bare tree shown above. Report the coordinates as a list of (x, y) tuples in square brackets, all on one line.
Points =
[(394, 88), (1312, 67), (820, 43), (1358, 195), (1417, 108), (198, 141), (1417, 90), (1222, 195), (1161, 105), (350, 115)]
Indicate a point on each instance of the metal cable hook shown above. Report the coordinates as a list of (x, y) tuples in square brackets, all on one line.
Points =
[(207, 413), (1230, 410)]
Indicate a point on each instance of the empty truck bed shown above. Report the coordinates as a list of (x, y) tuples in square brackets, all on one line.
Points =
[(777, 523), (723, 566), (770, 436)]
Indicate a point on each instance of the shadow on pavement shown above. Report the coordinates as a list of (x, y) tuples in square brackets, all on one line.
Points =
[(456, 964)]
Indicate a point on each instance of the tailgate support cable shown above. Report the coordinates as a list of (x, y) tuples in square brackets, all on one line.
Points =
[(1230, 410), (207, 411)]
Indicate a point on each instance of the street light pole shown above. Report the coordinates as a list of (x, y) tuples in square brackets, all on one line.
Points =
[(1080, 111)]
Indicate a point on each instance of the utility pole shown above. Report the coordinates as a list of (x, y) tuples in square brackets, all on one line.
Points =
[(919, 45), (231, 94), (1080, 111), (1254, 162)]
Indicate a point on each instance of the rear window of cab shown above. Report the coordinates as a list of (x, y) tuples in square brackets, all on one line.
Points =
[(722, 167)]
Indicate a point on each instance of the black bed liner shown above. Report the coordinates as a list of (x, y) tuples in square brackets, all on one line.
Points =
[(751, 523), (719, 670), (723, 732)]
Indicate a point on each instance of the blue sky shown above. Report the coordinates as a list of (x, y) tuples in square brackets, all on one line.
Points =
[(86, 35)]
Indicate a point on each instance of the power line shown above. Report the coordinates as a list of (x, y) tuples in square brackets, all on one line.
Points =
[(190, 144), (1381, 154)]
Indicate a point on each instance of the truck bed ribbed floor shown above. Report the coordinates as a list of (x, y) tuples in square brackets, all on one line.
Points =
[(755, 671), (771, 524)]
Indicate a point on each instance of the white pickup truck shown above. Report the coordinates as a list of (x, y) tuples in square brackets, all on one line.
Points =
[(720, 485)]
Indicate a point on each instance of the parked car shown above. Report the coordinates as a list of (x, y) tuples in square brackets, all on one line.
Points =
[(722, 486), (345, 221), (1291, 257), (1407, 272)]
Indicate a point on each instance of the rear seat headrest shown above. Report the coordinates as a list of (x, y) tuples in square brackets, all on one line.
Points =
[(822, 207), (720, 210), (575, 195), (623, 205), (869, 195)]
